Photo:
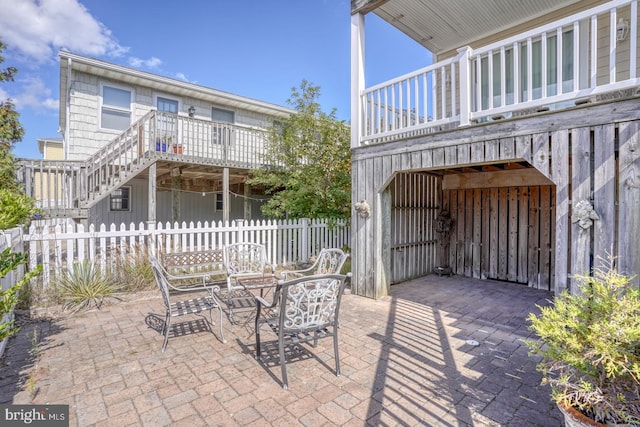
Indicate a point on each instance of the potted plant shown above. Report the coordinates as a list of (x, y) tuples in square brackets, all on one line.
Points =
[(590, 347)]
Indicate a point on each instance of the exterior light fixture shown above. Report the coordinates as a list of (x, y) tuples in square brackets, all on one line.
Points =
[(192, 111), (622, 29)]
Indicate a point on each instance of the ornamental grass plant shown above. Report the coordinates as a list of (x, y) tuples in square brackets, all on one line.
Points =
[(85, 286), (590, 347)]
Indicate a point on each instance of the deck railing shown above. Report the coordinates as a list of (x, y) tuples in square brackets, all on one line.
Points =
[(587, 54), (69, 188)]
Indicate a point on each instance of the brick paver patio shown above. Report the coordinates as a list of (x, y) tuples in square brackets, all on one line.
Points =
[(406, 360)]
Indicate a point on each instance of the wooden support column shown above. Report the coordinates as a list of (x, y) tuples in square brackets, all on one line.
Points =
[(176, 181), (247, 201), (151, 205), (225, 195)]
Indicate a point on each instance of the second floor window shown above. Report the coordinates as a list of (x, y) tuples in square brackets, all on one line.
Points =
[(221, 133), (116, 108), (220, 115), (167, 105)]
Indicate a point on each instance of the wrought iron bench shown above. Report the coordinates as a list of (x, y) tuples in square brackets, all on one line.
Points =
[(188, 270)]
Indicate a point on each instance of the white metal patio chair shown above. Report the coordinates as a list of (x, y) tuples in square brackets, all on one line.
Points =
[(304, 309), (244, 261), (184, 307), (328, 261)]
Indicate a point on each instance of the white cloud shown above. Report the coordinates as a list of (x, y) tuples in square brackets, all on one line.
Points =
[(36, 95), (183, 77), (39, 28), (152, 62)]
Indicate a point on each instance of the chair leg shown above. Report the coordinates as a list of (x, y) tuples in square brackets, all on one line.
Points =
[(167, 325), (335, 350), (224, 340), (283, 364), (257, 330), (230, 306), (164, 325)]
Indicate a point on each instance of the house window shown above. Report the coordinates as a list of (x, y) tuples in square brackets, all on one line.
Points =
[(220, 115), (222, 133), (566, 46), (166, 123), (167, 105), (116, 108), (120, 200), (219, 202)]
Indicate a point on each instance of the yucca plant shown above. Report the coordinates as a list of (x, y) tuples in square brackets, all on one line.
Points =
[(84, 286), (590, 348)]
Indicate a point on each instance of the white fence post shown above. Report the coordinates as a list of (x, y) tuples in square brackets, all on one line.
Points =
[(303, 241)]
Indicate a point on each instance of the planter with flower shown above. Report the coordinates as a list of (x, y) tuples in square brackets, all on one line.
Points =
[(590, 348)]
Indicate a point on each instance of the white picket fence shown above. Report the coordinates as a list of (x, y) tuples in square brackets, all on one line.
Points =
[(59, 247)]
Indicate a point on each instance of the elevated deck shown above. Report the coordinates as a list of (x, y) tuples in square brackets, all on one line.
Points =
[(197, 150)]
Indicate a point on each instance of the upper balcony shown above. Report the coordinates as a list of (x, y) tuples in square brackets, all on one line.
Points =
[(557, 65)]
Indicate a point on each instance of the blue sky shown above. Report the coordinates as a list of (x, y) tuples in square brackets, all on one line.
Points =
[(254, 48)]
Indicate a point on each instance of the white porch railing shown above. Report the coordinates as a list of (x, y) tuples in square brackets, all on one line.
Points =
[(59, 247), (550, 66)]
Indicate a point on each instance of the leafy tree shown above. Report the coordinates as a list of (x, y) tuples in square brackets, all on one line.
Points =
[(310, 158), (15, 207)]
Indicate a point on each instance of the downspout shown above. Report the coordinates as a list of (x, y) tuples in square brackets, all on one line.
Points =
[(67, 111)]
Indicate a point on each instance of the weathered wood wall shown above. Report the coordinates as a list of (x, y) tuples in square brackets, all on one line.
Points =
[(502, 233), (591, 153)]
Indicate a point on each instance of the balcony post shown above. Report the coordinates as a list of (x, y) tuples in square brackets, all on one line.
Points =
[(464, 55), (357, 77)]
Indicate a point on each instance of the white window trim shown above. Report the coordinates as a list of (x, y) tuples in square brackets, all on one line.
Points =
[(101, 104), (170, 98), (130, 200)]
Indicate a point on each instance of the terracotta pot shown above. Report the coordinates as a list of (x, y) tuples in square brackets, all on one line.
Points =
[(575, 418)]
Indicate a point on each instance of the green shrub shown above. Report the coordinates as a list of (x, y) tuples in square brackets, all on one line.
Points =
[(9, 261), (590, 345), (15, 209), (84, 286)]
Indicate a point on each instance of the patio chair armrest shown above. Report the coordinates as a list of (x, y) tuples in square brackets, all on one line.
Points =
[(214, 288), (263, 303), (288, 275)]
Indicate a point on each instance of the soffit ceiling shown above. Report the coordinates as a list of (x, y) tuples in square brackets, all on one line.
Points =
[(443, 25)]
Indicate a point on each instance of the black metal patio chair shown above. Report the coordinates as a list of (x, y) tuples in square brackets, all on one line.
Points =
[(304, 309)]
